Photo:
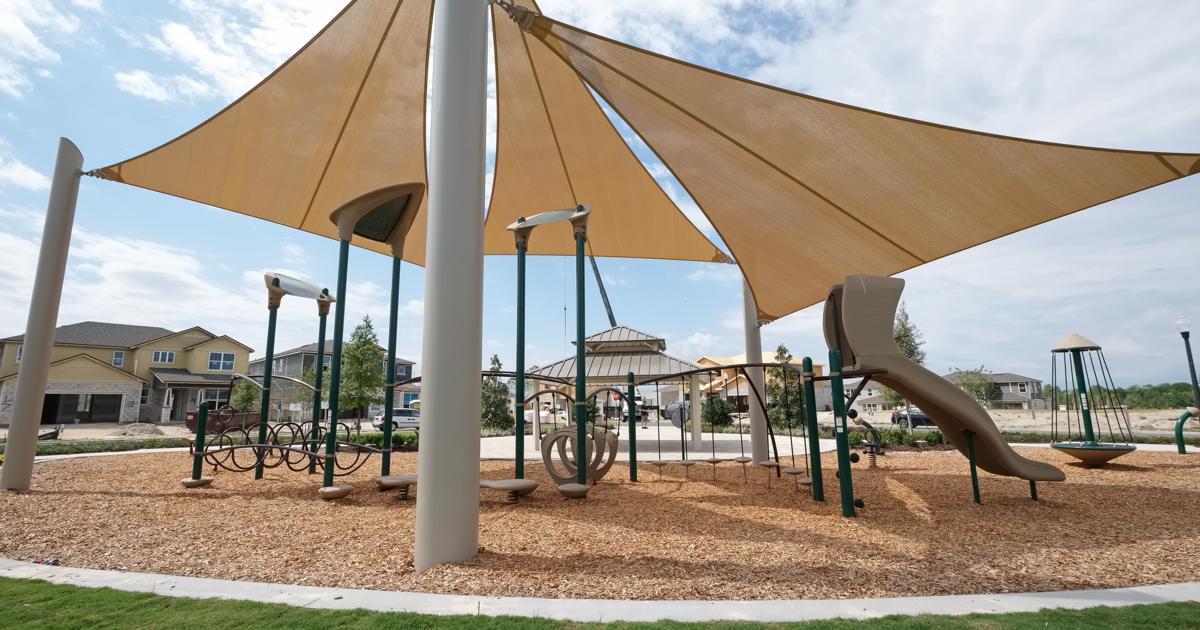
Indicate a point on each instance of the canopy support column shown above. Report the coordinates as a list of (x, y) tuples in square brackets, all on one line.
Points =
[(694, 410), (447, 524), (43, 315), (758, 421)]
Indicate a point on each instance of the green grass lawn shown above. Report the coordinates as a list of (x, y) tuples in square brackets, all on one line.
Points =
[(37, 604)]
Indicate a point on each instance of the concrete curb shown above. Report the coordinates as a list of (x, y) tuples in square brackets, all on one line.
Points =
[(596, 610)]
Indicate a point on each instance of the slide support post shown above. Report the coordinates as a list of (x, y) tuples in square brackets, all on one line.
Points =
[(845, 482), (975, 473), (814, 438)]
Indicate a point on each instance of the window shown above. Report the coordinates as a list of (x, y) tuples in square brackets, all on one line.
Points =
[(145, 395), (402, 371), (1023, 387), (118, 358), (20, 351), (220, 361), (163, 356), (217, 397), (277, 366), (326, 362)]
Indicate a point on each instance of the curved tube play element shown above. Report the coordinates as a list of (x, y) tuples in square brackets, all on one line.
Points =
[(859, 315), (1192, 412)]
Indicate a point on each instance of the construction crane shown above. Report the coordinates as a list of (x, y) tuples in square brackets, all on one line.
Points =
[(612, 320)]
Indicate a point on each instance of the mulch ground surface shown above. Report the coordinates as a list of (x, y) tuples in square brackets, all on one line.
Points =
[(1134, 522)]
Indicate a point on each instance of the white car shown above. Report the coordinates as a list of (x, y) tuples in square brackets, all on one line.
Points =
[(403, 418)]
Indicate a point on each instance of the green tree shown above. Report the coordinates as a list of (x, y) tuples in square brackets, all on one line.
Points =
[(495, 413), (975, 382), (246, 397), (910, 342), (362, 369), (785, 391), (716, 411)]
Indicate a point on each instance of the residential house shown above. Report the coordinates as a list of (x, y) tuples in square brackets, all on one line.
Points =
[(1012, 391), (289, 398), (870, 400), (732, 385), (105, 372)]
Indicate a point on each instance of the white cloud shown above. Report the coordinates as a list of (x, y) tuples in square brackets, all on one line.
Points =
[(721, 275), (14, 172), (159, 88), (91, 5), (230, 45), (26, 29)]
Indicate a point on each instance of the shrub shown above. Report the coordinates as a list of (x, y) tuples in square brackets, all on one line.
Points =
[(716, 411)]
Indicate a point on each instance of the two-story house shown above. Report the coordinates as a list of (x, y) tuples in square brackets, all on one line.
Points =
[(104, 372), (295, 362), (1011, 391), (732, 385)]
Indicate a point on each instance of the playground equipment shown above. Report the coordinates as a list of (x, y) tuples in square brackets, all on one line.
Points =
[(1191, 412), (521, 229), (858, 319), (278, 286), (1087, 388)]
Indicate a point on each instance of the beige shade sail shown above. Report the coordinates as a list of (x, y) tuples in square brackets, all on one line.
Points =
[(556, 148), (806, 191), (344, 116)]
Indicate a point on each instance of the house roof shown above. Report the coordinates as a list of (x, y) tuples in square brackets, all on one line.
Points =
[(225, 337), (180, 376), (103, 334), (129, 375), (998, 377), (623, 338), (311, 348), (614, 366)]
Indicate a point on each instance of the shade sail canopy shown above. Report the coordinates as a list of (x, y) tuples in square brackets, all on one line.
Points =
[(343, 117), (555, 148), (792, 182)]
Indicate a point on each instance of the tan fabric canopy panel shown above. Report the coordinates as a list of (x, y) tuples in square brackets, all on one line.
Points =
[(806, 191), (556, 148), (344, 116)]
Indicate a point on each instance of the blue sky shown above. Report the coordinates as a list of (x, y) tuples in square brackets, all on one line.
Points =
[(119, 77)]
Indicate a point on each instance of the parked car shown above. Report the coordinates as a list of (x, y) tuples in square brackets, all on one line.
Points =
[(404, 418), (919, 418)]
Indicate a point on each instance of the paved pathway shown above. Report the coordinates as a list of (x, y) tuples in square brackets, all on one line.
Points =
[(596, 610)]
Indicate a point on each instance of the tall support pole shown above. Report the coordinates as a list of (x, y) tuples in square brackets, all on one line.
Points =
[(694, 411), (759, 448), (447, 527), (264, 408), (1187, 345), (17, 470), (841, 434), (580, 358), (318, 373), (1081, 393), (814, 437), (974, 469), (389, 392), (519, 407), (201, 438), (335, 363), (631, 395)]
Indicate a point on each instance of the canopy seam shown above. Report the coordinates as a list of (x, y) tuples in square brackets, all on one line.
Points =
[(350, 114), (741, 146), (537, 79)]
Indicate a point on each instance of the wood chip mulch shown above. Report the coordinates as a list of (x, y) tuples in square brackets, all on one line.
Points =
[(1134, 522)]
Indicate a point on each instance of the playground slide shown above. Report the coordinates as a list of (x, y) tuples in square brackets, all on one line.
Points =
[(859, 316)]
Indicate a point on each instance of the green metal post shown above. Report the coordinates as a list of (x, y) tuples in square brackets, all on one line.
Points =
[(814, 437), (335, 367), (845, 483), (1082, 393), (265, 407), (974, 473), (1033, 490), (519, 428), (389, 391), (580, 369), (633, 415), (318, 373), (198, 445), (1179, 432)]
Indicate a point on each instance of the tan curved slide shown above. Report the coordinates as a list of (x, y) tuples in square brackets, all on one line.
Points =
[(859, 316)]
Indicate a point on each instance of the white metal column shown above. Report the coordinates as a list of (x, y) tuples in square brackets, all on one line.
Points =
[(43, 315), (758, 420), (694, 403), (448, 495)]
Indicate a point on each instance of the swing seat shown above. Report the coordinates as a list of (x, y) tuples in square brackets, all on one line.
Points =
[(713, 460), (331, 493), (391, 482), (769, 464), (743, 460), (659, 462), (790, 470)]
